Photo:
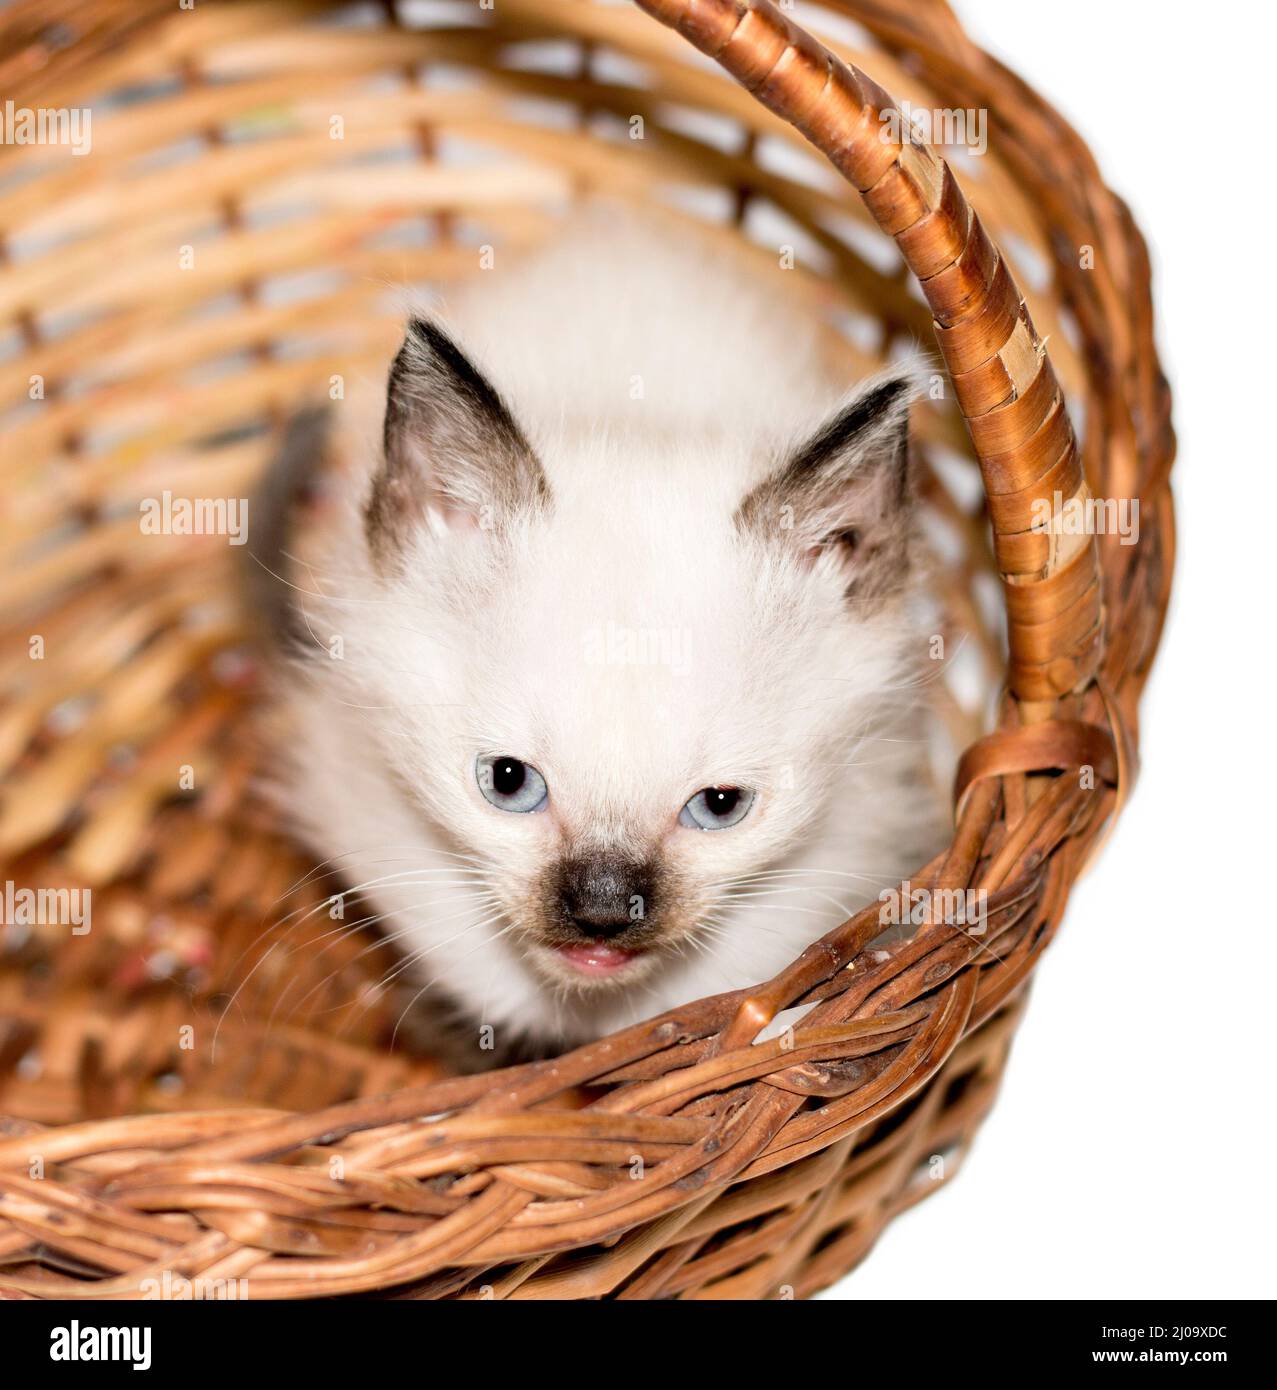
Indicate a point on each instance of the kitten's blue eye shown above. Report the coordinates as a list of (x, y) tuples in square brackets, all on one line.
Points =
[(716, 808), (511, 784)]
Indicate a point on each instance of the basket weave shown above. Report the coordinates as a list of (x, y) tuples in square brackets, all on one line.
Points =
[(204, 1087)]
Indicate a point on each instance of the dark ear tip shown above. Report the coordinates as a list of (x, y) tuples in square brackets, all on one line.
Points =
[(430, 339), (899, 386), (425, 336)]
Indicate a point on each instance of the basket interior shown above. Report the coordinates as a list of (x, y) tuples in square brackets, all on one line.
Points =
[(267, 184)]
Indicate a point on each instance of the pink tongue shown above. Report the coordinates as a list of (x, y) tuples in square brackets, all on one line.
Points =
[(596, 957)]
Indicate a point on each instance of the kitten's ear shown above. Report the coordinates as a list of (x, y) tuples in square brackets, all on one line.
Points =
[(454, 458), (844, 498)]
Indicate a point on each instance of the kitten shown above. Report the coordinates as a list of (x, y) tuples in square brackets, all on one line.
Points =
[(604, 682)]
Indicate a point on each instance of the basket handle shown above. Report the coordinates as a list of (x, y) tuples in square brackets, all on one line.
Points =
[(1003, 379)]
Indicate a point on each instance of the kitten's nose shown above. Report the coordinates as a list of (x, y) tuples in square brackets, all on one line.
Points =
[(603, 894)]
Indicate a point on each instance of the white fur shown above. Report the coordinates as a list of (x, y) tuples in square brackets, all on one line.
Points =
[(750, 670)]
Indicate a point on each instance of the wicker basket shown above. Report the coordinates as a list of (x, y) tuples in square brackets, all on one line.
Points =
[(203, 1087)]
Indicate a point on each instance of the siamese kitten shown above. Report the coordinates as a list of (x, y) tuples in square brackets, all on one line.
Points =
[(602, 670)]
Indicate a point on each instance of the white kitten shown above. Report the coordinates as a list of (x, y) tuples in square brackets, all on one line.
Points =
[(625, 709)]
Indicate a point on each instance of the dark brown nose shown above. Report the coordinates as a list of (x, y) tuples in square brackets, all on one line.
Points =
[(604, 894)]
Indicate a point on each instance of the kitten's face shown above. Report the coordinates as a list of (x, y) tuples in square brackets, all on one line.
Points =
[(627, 714), (625, 692)]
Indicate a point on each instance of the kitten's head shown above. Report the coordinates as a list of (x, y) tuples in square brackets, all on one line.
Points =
[(626, 669)]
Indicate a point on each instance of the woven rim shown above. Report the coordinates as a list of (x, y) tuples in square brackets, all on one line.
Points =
[(760, 1168)]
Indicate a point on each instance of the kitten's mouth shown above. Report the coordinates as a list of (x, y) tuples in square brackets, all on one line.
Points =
[(597, 959)]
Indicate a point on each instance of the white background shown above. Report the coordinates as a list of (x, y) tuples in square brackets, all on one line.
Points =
[(1131, 1152)]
